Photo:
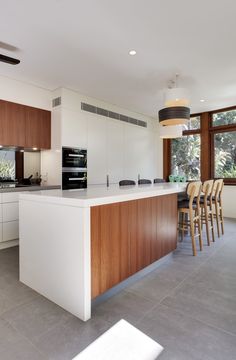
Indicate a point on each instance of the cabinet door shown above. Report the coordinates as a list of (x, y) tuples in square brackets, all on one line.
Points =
[(38, 128), (10, 211), (12, 124), (97, 150), (115, 151), (10, 230)]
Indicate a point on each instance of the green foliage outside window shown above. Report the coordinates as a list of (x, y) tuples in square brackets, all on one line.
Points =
[(224, 118), (185, 156), (225, 154)]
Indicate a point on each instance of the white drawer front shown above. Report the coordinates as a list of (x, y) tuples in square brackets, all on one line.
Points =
[(1, 233), (10, 230), (10, 197), (10, 211)]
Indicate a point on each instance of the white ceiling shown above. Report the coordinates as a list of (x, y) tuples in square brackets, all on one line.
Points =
[(84, 45)]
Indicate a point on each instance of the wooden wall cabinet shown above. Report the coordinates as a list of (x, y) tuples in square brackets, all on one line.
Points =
[(24, 126)]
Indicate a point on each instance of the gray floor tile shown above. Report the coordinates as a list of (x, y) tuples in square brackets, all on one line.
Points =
[(8, 336), (66, 340), (187, 337), (22, 350), (124, 305), (36, 317), (209, 307)]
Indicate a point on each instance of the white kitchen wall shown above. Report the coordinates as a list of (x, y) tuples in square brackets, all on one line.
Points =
[(118, 149), (229, 201), (23, 93)]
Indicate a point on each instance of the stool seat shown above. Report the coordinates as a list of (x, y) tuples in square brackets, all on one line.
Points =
[(185, 204)]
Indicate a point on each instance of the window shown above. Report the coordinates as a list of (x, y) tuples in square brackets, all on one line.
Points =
[(194, 123), (207, 149), (225, 155), (224, 118), (185, 156)]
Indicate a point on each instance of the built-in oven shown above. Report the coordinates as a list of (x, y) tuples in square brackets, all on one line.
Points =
[(74, 168), (74, 158), (74, 179)]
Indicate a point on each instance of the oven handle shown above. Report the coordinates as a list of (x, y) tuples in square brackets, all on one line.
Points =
[(71, 179), (76, 155)]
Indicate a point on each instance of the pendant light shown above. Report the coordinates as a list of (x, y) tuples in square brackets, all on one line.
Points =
[(171, 131), (176, 111)]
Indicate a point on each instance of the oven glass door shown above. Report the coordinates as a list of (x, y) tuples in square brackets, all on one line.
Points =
[(74, 158), (74, 180)]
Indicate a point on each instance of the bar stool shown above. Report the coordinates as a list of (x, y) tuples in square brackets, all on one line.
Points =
[(157, 181), (217, 202), (144, 181), (127, 182), (191, 207), (206, 209)]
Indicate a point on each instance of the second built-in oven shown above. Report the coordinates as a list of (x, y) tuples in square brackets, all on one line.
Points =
[(74, 180)]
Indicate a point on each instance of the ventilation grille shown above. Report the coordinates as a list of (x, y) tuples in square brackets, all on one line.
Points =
[(56, 102), (113, 115)]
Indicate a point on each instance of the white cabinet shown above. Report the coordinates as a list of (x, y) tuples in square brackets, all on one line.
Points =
[(10, 230), (10, 197), (10, 211), (9, 218), (74, 129), (97, 149), (115, 151)]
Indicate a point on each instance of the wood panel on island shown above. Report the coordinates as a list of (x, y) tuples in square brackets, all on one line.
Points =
[(24, 126), (128, 236)]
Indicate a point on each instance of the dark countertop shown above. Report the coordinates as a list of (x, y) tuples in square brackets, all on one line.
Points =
[(29, 188)]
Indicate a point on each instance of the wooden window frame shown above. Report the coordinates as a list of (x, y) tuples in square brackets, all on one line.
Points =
[(206, 131)]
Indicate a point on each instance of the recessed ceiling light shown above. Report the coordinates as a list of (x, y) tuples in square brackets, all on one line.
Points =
[(132, 52), (202, 100)]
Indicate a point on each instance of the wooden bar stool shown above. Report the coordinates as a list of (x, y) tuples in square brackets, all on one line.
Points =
[(217, 202), (191, 207), (206, 209)]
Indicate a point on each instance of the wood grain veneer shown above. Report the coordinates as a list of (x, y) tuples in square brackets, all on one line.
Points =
[(128, 236), (24, 126)]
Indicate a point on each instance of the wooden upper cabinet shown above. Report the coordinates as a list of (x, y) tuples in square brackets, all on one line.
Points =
[(38, 128), (24, 126), (12, 124)]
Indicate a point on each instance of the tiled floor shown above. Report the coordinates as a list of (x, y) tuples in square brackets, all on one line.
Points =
[(188, 305)]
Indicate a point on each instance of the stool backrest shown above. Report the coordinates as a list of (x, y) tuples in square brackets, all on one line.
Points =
[(157, 181), (207, 187), (217, 188), (126, 182), (194, 192), (144, 181)]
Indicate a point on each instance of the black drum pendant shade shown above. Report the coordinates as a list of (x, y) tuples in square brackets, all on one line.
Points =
[(174, 115)]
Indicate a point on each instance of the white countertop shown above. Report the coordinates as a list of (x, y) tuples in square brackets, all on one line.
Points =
[(100, 194)]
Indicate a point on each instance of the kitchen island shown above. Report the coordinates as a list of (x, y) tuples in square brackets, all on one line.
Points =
[(76, 245)]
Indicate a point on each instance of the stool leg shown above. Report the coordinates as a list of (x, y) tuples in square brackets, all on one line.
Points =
[(217, 218), (192, 234), (221, 218), (207, 224)]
